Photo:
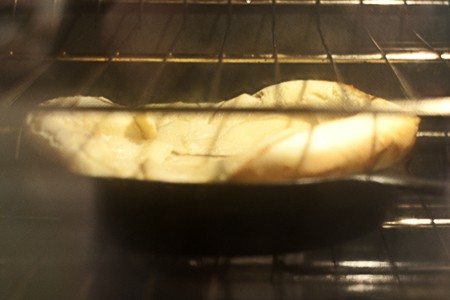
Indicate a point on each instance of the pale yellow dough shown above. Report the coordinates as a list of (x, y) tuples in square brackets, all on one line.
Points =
[(220, 147)]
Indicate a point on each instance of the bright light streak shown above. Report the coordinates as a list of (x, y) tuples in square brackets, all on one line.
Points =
[(364, 264), (416, 222), (374, 56), (369, 278), (383, 2), (419, 55)]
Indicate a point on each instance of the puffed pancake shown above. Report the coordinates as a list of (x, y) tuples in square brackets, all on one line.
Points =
[(218, 146)]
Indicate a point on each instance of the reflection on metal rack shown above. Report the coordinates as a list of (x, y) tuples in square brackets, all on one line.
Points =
[(416, 222), (256, 2), (376, 58)]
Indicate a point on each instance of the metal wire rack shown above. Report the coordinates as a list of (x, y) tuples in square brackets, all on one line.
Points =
[(52, 246), (53, 250), (277, 35)]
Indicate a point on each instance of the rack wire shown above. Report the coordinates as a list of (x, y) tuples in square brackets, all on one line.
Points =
[(404, 54), (374, 264), (52, 249), (422, 51)]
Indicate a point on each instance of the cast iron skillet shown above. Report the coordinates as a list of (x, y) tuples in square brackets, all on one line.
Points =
[(233, 219), (251, 219), (237, 219), (243, 219)]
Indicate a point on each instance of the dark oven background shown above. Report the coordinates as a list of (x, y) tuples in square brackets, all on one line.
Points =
[(135, 52)]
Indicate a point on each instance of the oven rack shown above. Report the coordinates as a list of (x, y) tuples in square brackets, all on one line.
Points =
[(412, 45), (52, 250), (392, 59), (50, 245), (376, 58), (15, 4), (417, 49)]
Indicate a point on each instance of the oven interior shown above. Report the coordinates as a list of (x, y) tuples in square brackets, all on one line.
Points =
[(138, 51)]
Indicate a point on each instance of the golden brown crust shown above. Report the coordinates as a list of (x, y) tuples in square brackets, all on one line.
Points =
[(356, 144), (220, 147)]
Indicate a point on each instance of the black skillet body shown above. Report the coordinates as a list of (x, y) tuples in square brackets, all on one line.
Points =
[(224, 219)]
